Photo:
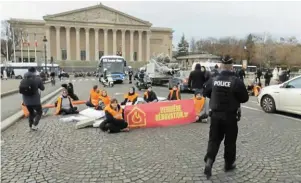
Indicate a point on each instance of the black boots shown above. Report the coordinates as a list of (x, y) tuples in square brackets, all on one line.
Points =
[(229, 167), (208, 168)]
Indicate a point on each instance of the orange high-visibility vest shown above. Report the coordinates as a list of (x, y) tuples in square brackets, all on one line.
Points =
[(94, 97), (59, 104), (106, 100), (114, 113), (198, 104), (256, 90), (131, 98)]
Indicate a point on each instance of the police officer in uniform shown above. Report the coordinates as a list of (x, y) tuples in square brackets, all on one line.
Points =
[(226, 93)]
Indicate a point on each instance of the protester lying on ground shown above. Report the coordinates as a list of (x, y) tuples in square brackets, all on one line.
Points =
[(254, 89), (199, 105), (94, 98), (70, 90), (174, 93), (131, 96), (114, 121), (64, 105), (150, 95), (105, 98)]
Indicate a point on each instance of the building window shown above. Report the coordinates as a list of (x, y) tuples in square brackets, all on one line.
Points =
[(100, 54), (135, 56), (64, 55), (83, 55)]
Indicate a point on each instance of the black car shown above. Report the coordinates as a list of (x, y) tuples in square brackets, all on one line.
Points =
[(180, 79)]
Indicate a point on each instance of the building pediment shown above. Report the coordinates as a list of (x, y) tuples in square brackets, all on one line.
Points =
[(97, 14)]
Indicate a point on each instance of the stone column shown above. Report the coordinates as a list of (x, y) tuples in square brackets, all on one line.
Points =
[(68, 43), (77, 44), (148, 35), (123, 43), (114, 42), (48, 45), (87, 44), (58, 44), (140, 46), (132, 45), (105, 33), (96, 45)]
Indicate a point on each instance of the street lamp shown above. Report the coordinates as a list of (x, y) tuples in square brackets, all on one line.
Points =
[(45, 47)]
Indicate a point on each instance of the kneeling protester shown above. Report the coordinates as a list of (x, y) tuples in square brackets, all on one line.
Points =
[(199, 105), (150, 95), (114, 121), (64, 105)]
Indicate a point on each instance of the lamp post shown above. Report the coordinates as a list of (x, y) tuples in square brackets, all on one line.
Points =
[(45, 49)]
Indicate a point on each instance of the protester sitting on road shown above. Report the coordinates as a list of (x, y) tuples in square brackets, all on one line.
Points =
[(199, 105), (174, 93), (29, 88), (114, 121), (94, 98), (105, 98), (254, 89), (150, 95), (64, 105), (131, 96)]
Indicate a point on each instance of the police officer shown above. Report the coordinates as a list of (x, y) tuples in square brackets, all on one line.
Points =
[(226, 93), (130, 74)]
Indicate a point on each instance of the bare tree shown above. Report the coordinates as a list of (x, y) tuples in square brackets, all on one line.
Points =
[(193, 47), (11, 35)]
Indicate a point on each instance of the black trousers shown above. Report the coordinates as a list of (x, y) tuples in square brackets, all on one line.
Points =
[(35, 114), (130, 78), (267, 82), (223, 126), (114, 126), (69, 111), (258, 78)]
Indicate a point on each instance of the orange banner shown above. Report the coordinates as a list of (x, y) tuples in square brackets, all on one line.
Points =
[(160, 114)]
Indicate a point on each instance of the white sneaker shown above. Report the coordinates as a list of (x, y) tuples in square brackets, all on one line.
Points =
[(34, 128)]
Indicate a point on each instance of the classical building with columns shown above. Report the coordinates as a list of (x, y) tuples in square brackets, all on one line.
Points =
[(87, 34)]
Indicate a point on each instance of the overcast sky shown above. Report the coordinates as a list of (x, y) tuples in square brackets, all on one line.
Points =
[(194, 19)]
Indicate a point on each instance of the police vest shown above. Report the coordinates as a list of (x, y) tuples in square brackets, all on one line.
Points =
[(222, 96)]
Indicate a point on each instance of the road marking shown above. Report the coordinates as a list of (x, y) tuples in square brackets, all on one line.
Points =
[(87, 79), (254, 101), (93, 79), (259, 110), (73, 80), (118, 94), (80, 80)]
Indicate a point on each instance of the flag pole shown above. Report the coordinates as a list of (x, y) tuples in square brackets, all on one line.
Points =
[(7, 37), (14, 44), (22, 42), (35, 48), (28, 44)]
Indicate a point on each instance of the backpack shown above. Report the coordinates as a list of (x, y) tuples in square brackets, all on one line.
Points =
[(28, 87)]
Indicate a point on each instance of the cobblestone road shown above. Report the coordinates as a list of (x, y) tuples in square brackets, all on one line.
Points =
[(269, 150)]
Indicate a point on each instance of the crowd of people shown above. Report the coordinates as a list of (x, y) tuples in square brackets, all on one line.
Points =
[(224, 87)]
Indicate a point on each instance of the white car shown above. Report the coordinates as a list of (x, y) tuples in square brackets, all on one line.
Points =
[(284, 97)]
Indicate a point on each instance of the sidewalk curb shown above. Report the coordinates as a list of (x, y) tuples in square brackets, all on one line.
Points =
[(14, 91), (16, 117)]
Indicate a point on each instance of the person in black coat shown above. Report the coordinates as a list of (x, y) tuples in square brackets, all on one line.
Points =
[(241, 74), (70, 90), (267, 76), (196, 78), (150, 95)]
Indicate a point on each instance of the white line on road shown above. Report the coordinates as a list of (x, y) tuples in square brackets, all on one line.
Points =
[(118, 94), (80, 80), (287, 117), (87, 79)]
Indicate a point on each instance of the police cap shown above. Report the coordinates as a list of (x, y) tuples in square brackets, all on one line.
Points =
[(227, 60)]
